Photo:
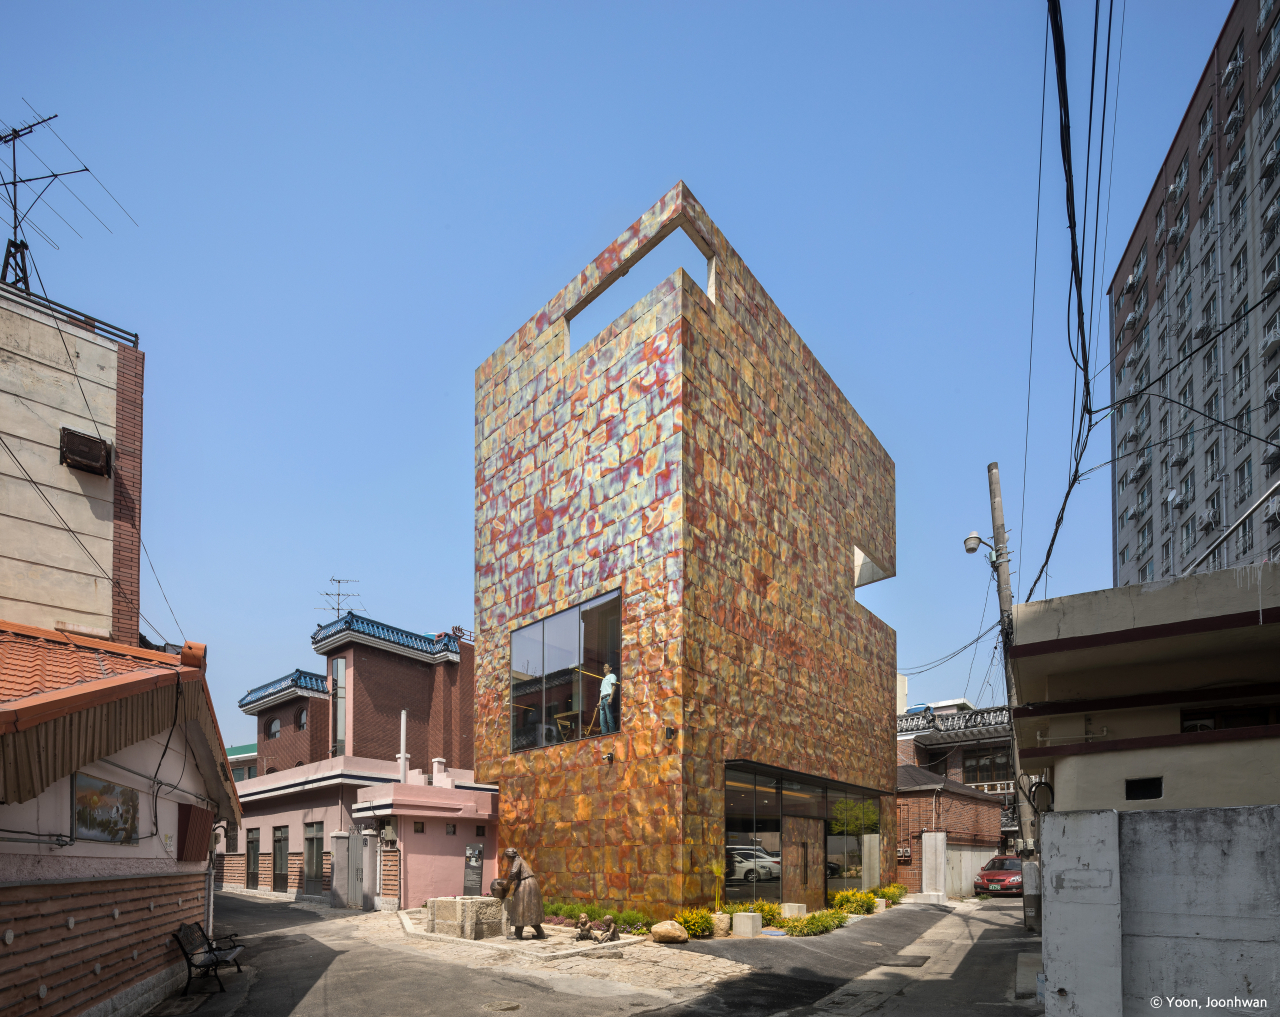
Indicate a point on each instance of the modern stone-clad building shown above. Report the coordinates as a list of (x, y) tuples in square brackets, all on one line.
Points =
[(1195, 326), (673, 673)]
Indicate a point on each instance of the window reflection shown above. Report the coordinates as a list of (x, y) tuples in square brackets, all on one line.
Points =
[(564, 675)]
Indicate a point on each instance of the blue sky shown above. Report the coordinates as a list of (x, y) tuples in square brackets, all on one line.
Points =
[(342, 210)]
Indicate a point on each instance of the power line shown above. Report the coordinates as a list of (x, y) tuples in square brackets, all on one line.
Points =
[(913, 671), (1035, 275), (161, 585)]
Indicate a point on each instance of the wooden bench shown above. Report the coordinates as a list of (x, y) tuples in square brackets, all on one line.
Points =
[(203, 954)]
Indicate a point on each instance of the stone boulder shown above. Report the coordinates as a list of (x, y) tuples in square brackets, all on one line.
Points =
[(669, 932)]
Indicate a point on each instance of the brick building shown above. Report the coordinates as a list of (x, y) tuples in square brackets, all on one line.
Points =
[(1195, 326), (972, 747), (931, 803), (73, 414), (670, 525), (327, 775), (112, 776)]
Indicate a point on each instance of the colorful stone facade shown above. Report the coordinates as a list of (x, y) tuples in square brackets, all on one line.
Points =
[(696, 457)]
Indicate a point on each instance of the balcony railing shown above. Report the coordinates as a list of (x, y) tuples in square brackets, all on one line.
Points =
[(1242, 277), (1205, 184), (1266, 59), (1235, 229), (1239, 332), (1241, 441), (1244, 491), (1233, 123), (1264, 14), (1240, 388), (1206, 132), (994, 787), (1269, 344)]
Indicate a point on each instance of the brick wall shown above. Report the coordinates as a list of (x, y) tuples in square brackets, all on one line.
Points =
[(85, 942), (228, 870), (965, 819), (440, 699), (294, 745), (127, 486), (391, 873)]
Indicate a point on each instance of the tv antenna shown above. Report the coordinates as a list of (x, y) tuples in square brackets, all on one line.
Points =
[(336, 597), (15, 270)]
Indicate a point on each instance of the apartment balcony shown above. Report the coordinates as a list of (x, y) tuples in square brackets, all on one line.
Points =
[(1269, 344), (994, 787), (1233, 123), (1174, 195), (1239, 332), (1235, 229), (1205, 184), (1240, 388)]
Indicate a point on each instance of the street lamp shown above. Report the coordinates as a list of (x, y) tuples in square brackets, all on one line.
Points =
[(972, 541)]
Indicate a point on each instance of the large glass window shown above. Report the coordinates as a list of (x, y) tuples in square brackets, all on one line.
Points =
[(252, 843), (565, 681), (982, 766), (340, 706), (313, 858)]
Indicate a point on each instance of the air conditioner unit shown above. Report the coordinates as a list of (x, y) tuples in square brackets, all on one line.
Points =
[(1270, 283), (1140, 467), (1269, 162), (1181, 502), (1271, 510), (1269, 343), (1210, 520), (1128, 285), (1271, 456), (85, 452), (1132, 320), (1273, 392), (1181, 456), (1234, 119), (1130, 435)]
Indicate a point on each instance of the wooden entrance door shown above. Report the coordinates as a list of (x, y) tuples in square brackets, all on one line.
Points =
[(804, 869)]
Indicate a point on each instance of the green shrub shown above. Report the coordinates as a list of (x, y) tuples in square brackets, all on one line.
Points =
[(633, 919), (892, 894), (984, 896), (816, 923), (557, 910), (854, 902), (696, 921)]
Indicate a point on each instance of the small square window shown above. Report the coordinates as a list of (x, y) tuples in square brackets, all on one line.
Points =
[(450, 829), (419, 827), (479, 831), (1144, 789)]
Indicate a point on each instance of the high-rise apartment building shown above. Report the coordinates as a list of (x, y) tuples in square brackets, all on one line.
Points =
[(1194, 308)]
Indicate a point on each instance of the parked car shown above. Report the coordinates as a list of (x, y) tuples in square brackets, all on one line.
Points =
[(1001, 875), (751, 864)]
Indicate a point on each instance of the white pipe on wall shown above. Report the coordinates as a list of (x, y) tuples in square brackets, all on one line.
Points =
[(404, 756)]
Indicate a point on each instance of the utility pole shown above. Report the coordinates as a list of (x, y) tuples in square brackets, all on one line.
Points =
[(1031, 895), (1004, 589)]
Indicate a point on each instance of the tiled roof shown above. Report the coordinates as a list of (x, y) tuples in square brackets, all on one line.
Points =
[(299, 679), (445, 642), (35, 660), (917, 778)]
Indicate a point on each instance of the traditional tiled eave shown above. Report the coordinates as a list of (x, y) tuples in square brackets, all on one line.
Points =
[(352, 628), (291, 686)]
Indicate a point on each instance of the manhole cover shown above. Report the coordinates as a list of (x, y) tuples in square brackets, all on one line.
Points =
[(909, 961), (501, 1004)]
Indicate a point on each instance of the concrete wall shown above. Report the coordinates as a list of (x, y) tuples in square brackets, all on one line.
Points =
[(1195, 776), (1180, 904), (45, 577)]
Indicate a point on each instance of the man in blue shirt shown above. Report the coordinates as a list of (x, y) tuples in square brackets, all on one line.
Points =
[(608, 722)]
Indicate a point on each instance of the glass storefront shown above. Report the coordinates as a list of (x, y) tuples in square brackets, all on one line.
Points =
[(565, 681), (790, 838)]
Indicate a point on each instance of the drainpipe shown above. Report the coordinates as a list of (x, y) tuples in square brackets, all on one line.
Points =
[(404, 756)]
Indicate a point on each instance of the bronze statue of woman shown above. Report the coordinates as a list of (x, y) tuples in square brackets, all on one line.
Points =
[(524, 896)]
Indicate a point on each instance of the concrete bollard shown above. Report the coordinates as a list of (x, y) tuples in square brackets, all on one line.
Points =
[(794, 910), (747, 924)]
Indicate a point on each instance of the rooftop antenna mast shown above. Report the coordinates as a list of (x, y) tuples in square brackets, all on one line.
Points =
[(337, 597), (15, 250)]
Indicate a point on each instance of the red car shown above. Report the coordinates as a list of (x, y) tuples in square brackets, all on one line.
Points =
[(1001, 875)]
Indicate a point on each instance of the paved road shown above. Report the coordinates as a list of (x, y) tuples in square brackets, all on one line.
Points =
[(302, 963)]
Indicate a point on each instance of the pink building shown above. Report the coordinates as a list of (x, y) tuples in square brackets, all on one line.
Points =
[(331, 815)]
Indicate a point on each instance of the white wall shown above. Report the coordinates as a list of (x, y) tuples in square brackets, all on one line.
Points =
[(45, 577), (50, 813), (963, 863), (1195, 776)]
